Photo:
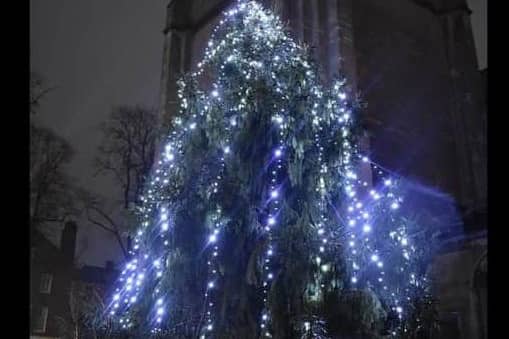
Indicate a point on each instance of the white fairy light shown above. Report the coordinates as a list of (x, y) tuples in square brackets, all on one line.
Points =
[(336, 112)]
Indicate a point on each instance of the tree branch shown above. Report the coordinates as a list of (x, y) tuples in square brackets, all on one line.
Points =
[(113, 230)]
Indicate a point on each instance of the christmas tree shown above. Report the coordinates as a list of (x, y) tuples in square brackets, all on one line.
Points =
[(256, 221)]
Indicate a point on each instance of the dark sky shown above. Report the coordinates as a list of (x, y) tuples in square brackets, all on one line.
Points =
[(99, 53)]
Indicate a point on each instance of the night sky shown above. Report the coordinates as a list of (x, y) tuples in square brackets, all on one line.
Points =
[(99, 53), (102, 53)]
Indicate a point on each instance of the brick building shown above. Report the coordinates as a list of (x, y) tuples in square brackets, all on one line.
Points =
[(51, 274), (63, 297)]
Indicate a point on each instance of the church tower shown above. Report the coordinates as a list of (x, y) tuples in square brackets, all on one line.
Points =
[(414, 63)]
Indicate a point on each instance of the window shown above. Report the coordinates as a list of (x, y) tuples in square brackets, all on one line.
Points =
[(46, 281), (40, 320)]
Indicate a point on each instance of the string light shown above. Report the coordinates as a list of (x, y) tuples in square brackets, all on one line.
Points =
[(330, 113)]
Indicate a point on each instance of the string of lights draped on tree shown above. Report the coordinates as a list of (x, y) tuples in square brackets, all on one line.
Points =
[(256, 211)]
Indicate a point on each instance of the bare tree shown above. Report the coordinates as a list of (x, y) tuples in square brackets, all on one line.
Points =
[(51, 194), (50, 190), (96, 213), (128, 148), (86, 310), (127, 152)]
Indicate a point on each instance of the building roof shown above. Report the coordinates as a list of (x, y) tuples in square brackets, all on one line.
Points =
[(44, 250), (97, 275)]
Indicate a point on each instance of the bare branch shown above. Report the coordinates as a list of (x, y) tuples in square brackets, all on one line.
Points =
[(37, 90), (127, 149), (35, 100), (50, 189), (112, 227)]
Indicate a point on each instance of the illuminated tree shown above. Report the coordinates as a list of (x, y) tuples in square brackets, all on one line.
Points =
[(256, 222)]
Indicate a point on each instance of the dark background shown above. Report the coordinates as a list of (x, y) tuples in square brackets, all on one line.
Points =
[(99, 54)]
